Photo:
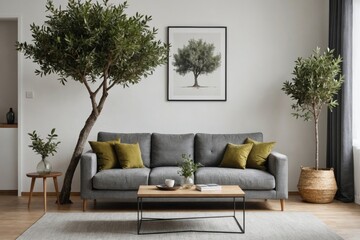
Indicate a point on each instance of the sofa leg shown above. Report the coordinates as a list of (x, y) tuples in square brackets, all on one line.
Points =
[(84, 205), (282, 204), (95, 202)]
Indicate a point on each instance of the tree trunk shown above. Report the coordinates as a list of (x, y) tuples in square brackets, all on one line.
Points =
[(196, 84), (316, 143), (66, 188)]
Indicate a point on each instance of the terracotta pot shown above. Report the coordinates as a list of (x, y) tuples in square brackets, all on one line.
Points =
[(317, 186)]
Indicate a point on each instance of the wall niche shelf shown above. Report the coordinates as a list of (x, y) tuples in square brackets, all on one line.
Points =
[(5, 125), (9, 157)]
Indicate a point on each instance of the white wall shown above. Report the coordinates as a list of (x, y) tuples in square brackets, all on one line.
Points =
[(8, 68), (8, 157), (264, 39)]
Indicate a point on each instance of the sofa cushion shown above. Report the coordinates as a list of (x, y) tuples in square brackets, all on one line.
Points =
[(144, 140), (106, 156), (159, 174), (210, 148), (121, 179), (236, 155), (129, 155), (167, 149), (247, 179), (259, 154)]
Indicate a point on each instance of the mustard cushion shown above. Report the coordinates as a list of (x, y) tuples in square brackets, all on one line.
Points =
[(106, 156), (236, 155), (259, 154), (129, 155)]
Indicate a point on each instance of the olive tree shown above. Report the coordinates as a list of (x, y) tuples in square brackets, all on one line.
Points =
[(99, 46), (316, 80), (196, 57)]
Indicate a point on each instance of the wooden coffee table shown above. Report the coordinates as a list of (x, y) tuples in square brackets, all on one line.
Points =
[(228, 191)]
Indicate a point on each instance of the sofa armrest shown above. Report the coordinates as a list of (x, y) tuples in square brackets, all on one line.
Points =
[(88, 170), (278, 166)]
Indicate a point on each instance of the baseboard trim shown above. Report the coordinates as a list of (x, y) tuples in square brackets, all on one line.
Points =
[(8, 192), (14, 192), (294, 193), (48, 193)]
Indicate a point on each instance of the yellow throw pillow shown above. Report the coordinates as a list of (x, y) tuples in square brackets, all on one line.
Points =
[(236, 155), (259, 154), (129, 155), (106, 156)]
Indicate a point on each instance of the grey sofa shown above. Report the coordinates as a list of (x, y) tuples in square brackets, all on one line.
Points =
[(161, 154)]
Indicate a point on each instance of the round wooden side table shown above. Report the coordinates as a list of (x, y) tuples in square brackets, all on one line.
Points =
[(36, 175)]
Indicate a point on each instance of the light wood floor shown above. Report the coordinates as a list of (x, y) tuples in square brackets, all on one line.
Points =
[(15, 218)]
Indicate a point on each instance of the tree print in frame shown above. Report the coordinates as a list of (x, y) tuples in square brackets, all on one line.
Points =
[(197, 64)]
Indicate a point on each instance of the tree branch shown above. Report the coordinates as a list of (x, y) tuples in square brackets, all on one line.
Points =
[(113, 84), (106, 74), (98, 89), (104, 88), (87, 86), (92, 97)]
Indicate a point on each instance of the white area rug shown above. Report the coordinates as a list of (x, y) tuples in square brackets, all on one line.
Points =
[(123, 225)]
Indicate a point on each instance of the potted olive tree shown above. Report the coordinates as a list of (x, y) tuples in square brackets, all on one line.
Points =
[(316, 81), (96, 44)]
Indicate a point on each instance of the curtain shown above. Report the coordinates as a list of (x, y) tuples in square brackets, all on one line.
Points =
[(339, 130)]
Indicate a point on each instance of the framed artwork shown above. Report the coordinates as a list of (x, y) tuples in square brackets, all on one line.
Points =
[(197, 63)]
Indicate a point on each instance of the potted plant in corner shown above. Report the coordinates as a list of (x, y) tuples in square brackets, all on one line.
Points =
[(316, 81), (187, 169), (44, 148)]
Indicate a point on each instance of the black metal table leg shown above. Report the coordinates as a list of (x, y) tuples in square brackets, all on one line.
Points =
[(139, 214), (138, 220), (243, 213)]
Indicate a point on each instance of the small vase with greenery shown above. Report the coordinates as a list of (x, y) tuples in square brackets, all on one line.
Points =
[(44, 148), (188, 168), (316, 81)]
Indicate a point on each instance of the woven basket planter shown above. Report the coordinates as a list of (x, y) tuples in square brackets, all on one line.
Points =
[(317, 186)]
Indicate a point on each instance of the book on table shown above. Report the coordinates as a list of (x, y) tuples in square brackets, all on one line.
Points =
[(208, 187)]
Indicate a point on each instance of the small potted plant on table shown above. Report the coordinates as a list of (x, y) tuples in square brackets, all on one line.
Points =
[(188, 168), (44, 148)]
